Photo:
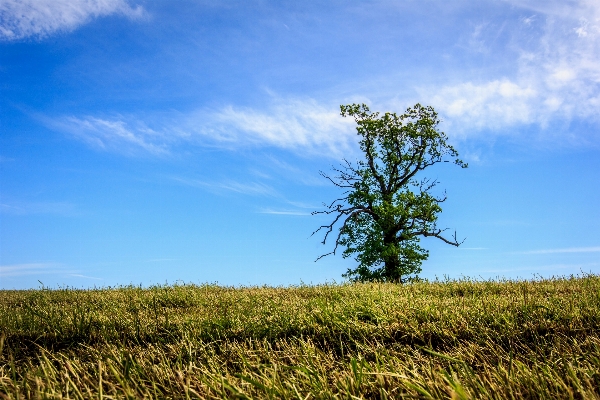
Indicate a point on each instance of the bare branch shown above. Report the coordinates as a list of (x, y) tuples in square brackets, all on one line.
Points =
[(350, 215), (341, 211), (438, 235)]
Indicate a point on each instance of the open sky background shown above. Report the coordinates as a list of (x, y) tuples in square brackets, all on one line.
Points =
[(145, 142)]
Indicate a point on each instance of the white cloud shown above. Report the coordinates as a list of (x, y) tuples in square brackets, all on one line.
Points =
[(493, 104), (556, 78), (565, 250), (30, 269), (284, 212), (300, 125), (39, 18), (559, 8), (27, 208), (248, 188), (557, 74), (120, 134), (546, 270), (86, 277), (252, 188), (289, 124)]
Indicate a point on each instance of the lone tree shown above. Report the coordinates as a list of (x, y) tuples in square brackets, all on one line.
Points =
[(385, 209)]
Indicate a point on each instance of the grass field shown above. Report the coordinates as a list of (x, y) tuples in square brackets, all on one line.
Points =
[(503, 340)]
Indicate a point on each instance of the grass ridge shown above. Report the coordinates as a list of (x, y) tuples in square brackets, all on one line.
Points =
[(442, 339)]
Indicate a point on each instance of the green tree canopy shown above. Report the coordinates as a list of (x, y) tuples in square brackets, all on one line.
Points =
[(386, 208)]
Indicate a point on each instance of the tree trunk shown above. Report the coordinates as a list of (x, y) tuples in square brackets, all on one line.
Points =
[(392, 263), (392, 270)]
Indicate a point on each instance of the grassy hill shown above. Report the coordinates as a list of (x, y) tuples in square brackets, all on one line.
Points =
[(425, 340)]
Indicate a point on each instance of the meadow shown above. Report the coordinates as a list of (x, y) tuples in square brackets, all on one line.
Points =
[(444, 339)]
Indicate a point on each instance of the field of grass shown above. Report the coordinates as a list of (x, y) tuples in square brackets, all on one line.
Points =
[(502, 340)]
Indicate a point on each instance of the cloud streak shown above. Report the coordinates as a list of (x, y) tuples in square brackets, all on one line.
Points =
[(288, 124), (247, 188), (284, 212), (28, 208), (301, 125), (86, 277), (565, 250), (21, 19), (30, 269), (117, 134), (546, 269)]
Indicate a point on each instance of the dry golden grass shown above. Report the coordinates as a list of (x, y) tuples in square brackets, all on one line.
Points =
[(497, 340)]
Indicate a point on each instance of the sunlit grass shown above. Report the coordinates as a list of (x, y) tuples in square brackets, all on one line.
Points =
[(527, 339)]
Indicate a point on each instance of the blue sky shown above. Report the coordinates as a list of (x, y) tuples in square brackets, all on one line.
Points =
[(147, 142)]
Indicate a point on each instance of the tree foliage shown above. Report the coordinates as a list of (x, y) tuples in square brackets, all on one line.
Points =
[(385, 208)]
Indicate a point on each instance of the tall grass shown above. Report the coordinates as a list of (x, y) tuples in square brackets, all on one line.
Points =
[(467, 339)]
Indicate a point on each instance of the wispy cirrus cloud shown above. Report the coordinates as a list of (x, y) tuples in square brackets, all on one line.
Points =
[(21, 19), (289, 124), (554, 76), (595, 249), (549, 269), (248, 188), (119, 134), (284, 212), (86, 277), (30, 269), (28, 208), (301, 125), (494, 104), (557, 76)]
